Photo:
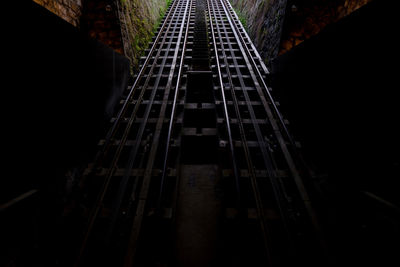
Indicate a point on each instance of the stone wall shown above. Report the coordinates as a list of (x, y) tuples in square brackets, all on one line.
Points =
[(264, 19), (100, 21), (69, 10), (276, 26), (307, 18), (126, 26), (139, 20)]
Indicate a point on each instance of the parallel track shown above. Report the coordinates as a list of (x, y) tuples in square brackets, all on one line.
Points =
[(226, 19), (132, 187)]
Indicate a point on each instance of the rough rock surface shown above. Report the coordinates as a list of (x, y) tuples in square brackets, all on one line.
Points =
[(69, 10), (275, 26), (307, 18), (127, 26), (264, 19), (139, 20)]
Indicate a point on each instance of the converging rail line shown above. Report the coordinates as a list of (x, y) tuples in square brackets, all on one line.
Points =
[(199, 167)]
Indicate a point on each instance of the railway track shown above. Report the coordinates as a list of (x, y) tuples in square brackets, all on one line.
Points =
[(199, 167)]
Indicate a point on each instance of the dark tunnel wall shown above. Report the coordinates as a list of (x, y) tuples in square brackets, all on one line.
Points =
[(59, 91), (339, 90), (66, 87)]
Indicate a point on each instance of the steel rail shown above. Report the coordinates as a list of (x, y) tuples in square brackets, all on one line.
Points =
[(137, 221), (259, 205), (226, 115), (277, 133), (133, 155), (105, 185), (266, 90), (261, 62), (266, 155), (172, 118), (267, 158), (111, 133), (288, 157)]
